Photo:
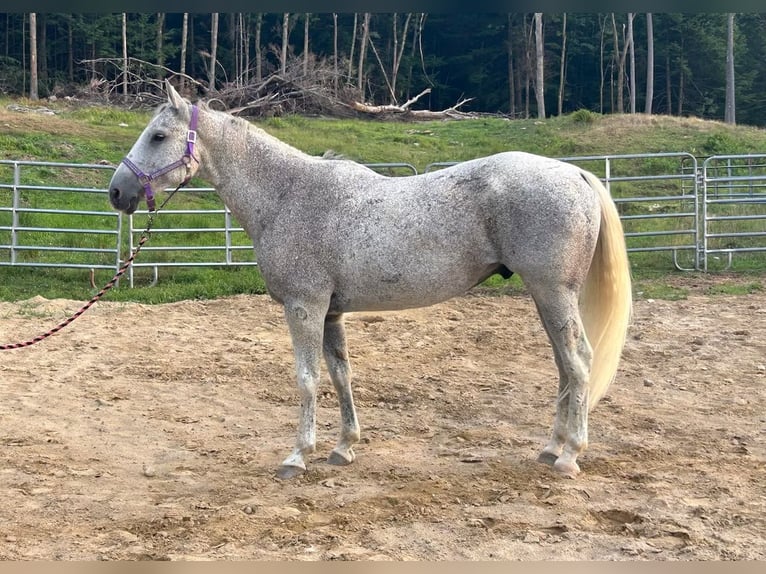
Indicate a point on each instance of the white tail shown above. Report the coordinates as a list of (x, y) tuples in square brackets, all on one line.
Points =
[(606, 302)]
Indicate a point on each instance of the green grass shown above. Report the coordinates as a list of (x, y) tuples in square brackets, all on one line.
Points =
[(104, 134)]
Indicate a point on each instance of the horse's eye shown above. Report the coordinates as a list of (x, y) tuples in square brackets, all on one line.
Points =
[(158, 137)]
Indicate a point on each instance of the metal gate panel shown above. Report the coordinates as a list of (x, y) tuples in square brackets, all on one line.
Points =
[(733, 208)]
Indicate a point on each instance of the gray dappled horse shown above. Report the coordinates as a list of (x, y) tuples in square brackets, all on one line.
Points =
[(332, 236)]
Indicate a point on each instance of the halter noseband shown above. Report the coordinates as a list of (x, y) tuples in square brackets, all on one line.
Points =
[(185, 161)]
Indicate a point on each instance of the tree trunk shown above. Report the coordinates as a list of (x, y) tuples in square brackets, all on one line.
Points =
[(213, 52), (511, 85), (258, 53), (649, 63), (619, 58), (527, 65), (70, 47), (632, 52), (398, 51), (353, 46), (245, 28), (43, 42), (306, 45), (729, 113), (540, 76), (335, 54), (668, 86), (417, 31), (362, 53), (562, 67), (160, 25), (601, 66), (681, 91), (124, 57), (184, 40), (285, 39), (33, 56), (237, 41)]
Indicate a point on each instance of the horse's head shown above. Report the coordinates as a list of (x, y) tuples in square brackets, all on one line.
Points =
[(163, 156)]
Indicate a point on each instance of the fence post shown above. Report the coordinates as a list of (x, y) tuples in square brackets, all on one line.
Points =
[(15, 212)]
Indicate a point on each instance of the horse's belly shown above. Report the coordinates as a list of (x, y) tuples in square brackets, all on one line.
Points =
[(400, 290)]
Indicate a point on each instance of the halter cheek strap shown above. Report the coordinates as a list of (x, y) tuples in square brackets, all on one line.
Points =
[(185, 161)]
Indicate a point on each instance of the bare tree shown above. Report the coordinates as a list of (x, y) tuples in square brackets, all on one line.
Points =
[(184, 40), (160, 25), (213, 52), (396, 58), (362, 54), (353, 46), (632, 53), (539, 55), (417, 46), (649, 63), (729, 113), (42, 41), (527, 72), (619, 58), (398, 51), (124, 57), (511, 78), (668, 88), (562, 67), (244, 26), (306, 17), (285, 40), (258, 51), (602, 26), (335, 53), (33, 56), (70, 47)]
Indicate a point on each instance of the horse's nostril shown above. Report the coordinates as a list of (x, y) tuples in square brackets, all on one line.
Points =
[(114, 193)]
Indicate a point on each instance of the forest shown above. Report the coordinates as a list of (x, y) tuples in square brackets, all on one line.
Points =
[(708, 65)]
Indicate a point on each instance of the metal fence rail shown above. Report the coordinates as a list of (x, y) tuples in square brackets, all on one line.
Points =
[(84, 238), (667, 202), (230, 245)]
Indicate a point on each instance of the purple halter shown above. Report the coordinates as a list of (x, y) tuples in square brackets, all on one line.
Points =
[(146, 179)]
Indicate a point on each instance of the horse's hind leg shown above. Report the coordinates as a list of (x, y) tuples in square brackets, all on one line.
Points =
[(336, 357), (560, 315), (555, 445)]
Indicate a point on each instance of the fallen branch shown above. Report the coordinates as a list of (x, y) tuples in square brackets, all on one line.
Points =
[(451, 112), (369, 109)]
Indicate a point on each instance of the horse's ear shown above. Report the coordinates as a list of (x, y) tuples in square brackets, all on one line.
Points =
[(174, 97)]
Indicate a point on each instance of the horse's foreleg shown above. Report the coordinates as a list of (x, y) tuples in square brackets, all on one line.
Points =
[(306, 331), (336, 357)]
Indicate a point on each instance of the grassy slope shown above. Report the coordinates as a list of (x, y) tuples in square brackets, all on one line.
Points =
[(95, 133)]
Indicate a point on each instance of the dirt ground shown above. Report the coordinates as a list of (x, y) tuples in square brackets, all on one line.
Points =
[(154, 432)]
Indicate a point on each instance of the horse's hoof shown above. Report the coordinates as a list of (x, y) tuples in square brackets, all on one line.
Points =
[(338, 459), (567, 469), (547, 458), (286, 472)]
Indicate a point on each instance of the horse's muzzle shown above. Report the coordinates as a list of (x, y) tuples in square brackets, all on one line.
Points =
[(125, 191), (122, 201)]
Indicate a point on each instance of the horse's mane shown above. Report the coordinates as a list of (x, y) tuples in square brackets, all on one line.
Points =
[(204, 104), (332, 154)]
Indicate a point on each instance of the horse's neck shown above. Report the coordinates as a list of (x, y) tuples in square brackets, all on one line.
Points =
[(245, 164), (236, 149)]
